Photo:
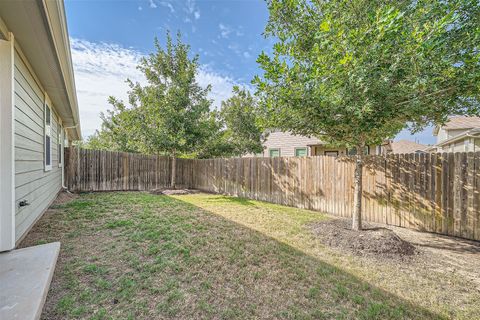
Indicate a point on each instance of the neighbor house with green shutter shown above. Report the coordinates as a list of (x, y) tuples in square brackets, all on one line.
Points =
[(285, 144), (38, 112)]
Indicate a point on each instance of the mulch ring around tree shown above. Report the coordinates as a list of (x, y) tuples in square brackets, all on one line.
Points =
[(171, 192), (379, 242)]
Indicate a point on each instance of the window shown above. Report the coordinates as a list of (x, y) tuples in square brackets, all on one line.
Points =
[(59, 145), (274, 153), (48, 138), (300, 152), (353, 151)]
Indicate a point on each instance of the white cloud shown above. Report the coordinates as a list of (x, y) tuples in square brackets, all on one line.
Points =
[(247, 54), (102, 68), (168, 5), (192, 10), (224, 30), (221, 85), (140, 8), (153, 5)]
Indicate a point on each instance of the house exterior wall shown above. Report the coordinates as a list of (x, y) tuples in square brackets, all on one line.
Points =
[(32, 182), (455, 132), (466, 144), (287, 143), (448, 134), (7, 196), (441, 135)]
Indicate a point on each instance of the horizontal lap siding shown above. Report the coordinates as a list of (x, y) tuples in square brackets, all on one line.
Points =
[(32, 183)]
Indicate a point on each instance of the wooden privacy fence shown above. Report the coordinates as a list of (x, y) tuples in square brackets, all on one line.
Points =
[(429, 192), (97, 170)]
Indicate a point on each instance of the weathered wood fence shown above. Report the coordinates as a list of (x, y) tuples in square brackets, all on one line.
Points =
[(97, 170), (429, 192)]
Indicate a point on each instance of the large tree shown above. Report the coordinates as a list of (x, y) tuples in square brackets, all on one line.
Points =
[(171, 113), (356, 72)]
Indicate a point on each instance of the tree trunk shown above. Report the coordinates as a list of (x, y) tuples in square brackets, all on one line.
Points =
[(174, 171), (357, 194)]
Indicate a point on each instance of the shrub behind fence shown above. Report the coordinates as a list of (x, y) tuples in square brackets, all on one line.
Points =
[(429, 192)]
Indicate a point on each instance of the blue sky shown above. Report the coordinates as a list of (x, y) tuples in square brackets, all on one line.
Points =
[(108, 38)]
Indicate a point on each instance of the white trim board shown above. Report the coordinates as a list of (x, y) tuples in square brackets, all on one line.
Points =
[(7, 161)]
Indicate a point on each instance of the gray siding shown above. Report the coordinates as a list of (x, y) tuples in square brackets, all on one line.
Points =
[(32, 182), (287, 143)]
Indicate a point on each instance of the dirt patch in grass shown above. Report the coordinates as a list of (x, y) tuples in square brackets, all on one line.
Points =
[(378, 242), (64, 197), (173, 192)]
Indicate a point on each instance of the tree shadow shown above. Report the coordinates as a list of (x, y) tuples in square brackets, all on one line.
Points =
[(236, 200), (304, 276), (427, 192)]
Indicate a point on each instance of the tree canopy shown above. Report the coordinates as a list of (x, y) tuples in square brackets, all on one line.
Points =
[(356, 72), (171, 114), (242, 130)]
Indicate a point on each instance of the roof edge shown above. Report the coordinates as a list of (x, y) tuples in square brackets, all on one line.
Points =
[(54, 12)]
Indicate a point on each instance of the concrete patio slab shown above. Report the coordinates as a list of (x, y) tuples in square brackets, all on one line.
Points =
[(25, 276)]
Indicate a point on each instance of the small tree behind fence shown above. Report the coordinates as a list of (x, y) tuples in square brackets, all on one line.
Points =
[(429, 192)]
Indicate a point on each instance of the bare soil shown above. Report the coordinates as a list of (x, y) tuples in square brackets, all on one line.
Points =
[(172, 192), (64, 197), (405, 249), (377, 241)]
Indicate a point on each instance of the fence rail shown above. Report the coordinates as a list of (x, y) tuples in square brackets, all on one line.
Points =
[(429, 192)]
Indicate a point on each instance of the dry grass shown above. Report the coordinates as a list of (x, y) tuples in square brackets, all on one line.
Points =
[(144, 256)]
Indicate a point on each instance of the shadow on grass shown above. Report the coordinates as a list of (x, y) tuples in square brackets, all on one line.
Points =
[(237, 200), (176, 260)]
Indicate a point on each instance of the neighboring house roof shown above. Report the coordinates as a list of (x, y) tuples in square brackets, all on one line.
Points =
[(406, 146), (459, 122), (40, 30)]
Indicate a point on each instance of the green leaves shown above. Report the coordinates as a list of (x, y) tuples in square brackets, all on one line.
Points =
[(359, 71), (239, 127), (169, 115)]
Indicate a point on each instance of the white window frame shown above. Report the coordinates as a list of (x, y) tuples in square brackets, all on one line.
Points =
[(47, 132)]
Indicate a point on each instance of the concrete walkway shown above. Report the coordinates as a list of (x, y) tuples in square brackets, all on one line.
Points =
[(25, 276)]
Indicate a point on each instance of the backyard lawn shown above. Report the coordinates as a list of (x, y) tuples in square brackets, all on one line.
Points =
[(202, 256)]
